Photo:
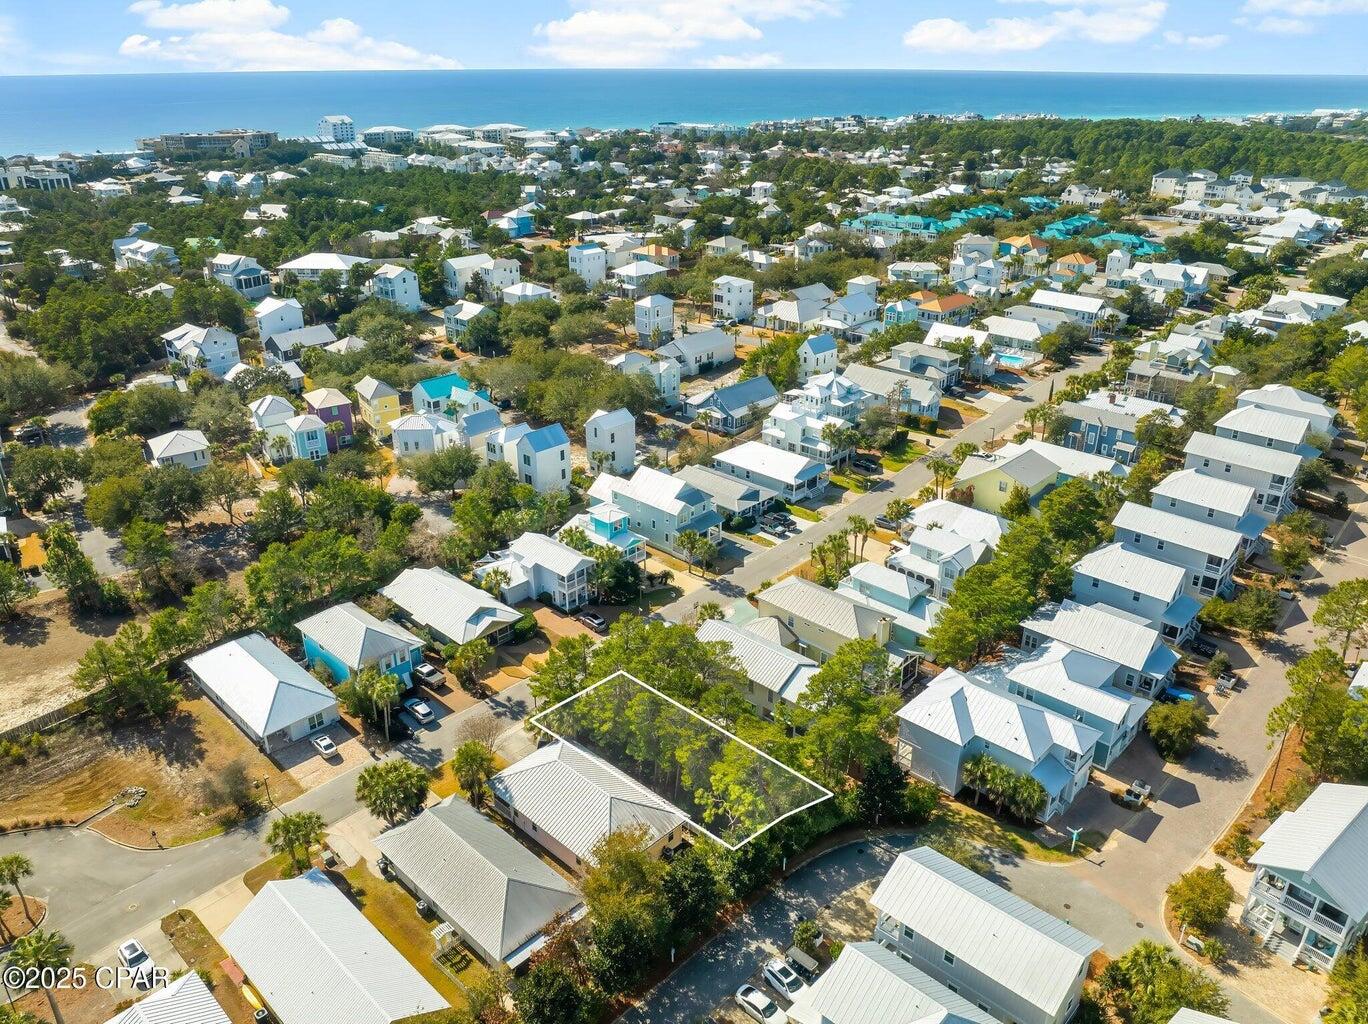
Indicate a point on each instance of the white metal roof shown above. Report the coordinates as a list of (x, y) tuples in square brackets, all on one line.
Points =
[(369, 388), (959, 709), (785, 673), (1196, 488), (869, 984), (177, 442), (1260, 422), (539, 549), (1098, 630), (578, 799), (1066, 301), (1170, 527), (1288, 399), (964, 520), (1075, 677), (833, 611), (435, 598), (1133, 570), (771, 463), (1186, 1016), (355, 635), (478, 876), (314, 957), (652, 487), (1326, 840), (262, 684), (1242, 453), (996, 933), (187, 1000)]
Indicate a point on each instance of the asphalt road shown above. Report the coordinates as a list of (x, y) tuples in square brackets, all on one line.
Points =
[(770, 563), (99, 892)]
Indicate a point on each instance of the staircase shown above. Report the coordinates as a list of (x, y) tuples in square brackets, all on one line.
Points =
[(1274, 943)]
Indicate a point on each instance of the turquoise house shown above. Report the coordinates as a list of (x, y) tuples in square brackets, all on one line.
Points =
[(986, 211), (1040, 204), (1070, 227), (447, 393), (345, 639), (1134, 244), (904, 311)]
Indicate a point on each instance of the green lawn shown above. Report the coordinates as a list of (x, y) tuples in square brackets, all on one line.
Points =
[(960, 821), (802, 513), (903, 455), (850, 482)]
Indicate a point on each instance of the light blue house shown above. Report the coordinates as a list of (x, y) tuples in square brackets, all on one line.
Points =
[(308, 437), (658, 507), (904, 311), (449, 392), (606, 525), (1137, 246), (347, 639), (1069, 227)]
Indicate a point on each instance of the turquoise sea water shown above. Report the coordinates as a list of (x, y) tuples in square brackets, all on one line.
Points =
[(106, 112)]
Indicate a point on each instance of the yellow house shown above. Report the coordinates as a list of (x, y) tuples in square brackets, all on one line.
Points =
[(992, 476), (377, 404)]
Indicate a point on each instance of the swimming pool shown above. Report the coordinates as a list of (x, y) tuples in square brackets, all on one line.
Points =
[(1007, 359)]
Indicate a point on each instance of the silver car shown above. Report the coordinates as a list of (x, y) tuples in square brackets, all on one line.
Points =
[(759, 1007)]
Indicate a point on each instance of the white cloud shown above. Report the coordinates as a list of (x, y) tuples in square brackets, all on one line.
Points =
[(1108, 22), (1196, 42), (643, 33), (733, 61), (1284, 26), (245, 35), (1307, 8)]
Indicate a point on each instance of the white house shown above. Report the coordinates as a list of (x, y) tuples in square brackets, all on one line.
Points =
[(269, 415), (816, 355), (336, 128), (524, 291), (1086, 310), (537, 565), (130, 253), (795, 477), (981, 941), (266, 693), (567, 799), (540, 457), (312, 266), (1285, 399), (396, 284), (214, 349), (1127, 578), (1308, 902), (423, 433), (1145, 664), (188, 448), (663, 373), (654, 320), (614, 434), (696, 353), (313, 956), (638, 278), (276, 316), (589, 261), (955, 719), (774, 672), (1272, 473), (789, 428), (457, 318), (1217, 500), (449, 608), (942, 540), (733, 298), (870, 984), (186, 999)]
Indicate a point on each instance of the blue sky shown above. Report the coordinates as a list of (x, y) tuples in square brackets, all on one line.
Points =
[(1252, 36)]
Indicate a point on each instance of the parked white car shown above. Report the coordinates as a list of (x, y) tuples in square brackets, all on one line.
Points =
[(759, 1007), (783, 979), (134, 956)]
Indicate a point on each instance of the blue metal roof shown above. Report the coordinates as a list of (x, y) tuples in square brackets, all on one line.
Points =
[(546, 438)]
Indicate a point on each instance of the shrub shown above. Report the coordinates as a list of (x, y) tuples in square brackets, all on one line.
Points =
[(1219, 665), (1175, 728), (525, 628)]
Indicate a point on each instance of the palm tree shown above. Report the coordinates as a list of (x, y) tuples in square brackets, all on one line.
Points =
[(14, 868), (860, 529), (494, 581), (6, 901), (384, 691), (465, 660), (291, 833), (473, 764), (667, 435), (942, 472), (975, 774), (42, 951)]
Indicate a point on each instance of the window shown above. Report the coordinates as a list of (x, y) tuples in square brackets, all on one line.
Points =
[(1094, 584), (315, 721), (1159, 545), (1002, 485), (527, 460), (949, 957), (562, 454)]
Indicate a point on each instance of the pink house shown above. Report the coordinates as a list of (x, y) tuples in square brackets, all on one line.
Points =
[(332, 406)]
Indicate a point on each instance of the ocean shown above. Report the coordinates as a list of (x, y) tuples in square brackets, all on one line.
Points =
[(84, 113)]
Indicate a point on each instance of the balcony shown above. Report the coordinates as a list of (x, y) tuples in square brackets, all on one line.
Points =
[(1288, 903)]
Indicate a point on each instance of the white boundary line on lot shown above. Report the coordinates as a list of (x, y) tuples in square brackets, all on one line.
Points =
[(826, 793)]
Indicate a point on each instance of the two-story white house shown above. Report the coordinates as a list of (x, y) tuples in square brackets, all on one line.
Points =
[(1272, 473), (1285, 399), (979, 940), (817, 355), (1207, 553), (188, 448), (1216, 500), (1308, 902), (538, 565), (589, 261), (277, 316), (614, 434), (794, 476), (663, 373)]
